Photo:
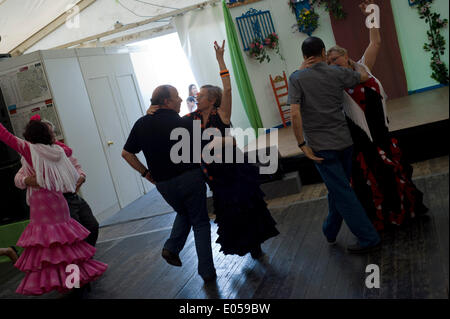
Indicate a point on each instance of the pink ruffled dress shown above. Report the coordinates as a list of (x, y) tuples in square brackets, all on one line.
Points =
[(52, 240)]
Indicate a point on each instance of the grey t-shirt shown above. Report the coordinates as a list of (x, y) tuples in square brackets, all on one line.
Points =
[(319, 91)]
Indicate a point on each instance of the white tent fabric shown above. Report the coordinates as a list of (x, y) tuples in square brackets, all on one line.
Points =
[(19, 19), (197, 31)]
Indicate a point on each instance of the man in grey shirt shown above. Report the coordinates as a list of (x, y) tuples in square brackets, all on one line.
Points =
[(316, 99)]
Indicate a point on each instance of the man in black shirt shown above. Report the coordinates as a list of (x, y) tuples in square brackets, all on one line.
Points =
[(181, 184)]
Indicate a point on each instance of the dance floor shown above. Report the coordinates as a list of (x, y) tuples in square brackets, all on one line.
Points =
[(413, 260)]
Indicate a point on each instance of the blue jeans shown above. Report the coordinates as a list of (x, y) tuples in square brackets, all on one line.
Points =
[(343, 204), (187, 196)]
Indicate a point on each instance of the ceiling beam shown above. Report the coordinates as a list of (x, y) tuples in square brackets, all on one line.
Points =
[(138, 24), (130, 38), (49, 28)]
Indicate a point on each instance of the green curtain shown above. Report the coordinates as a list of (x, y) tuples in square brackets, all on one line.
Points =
[(240, 72)]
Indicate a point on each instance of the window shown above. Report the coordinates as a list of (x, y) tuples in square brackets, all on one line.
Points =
[(160, 61)]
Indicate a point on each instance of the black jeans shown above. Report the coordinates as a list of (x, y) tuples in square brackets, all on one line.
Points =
[(82, 213)]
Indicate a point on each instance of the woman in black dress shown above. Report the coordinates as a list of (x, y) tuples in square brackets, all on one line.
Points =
[(243, 220)]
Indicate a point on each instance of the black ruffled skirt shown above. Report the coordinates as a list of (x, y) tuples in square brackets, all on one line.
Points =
[(242, 217)]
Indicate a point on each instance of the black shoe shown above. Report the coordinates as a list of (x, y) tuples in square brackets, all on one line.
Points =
[(331, 242), (171, 258), (256, 252), (357, 249)]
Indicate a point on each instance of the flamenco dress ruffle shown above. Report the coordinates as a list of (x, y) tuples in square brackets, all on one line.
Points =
[(51, 242), (381, 176)]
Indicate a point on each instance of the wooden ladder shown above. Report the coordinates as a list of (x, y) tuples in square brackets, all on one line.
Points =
[(280, 89)]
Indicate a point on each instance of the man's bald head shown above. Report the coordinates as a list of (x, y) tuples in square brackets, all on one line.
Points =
[(161, 95), (166, 96)]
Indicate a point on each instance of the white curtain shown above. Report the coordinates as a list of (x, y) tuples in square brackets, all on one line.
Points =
[(197, 30)]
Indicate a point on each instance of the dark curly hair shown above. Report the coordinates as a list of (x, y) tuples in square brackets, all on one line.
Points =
[(37, 132)]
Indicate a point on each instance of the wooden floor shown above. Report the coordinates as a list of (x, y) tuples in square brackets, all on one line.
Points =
[(406, 112), (315, 191), (298, 264)]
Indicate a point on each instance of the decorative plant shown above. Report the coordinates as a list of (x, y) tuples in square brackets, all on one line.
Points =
[(436, 42), (257, 51), (272, 42), (308, 21), (332, 6)]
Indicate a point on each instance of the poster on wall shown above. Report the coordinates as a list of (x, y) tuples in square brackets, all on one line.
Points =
[(21, 116), (26, 93)]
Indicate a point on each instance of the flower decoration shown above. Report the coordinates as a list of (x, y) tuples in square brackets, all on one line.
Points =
[(436, 42), (307, 21), (258, 48), (272, 42), (307, 18), (257, 51)]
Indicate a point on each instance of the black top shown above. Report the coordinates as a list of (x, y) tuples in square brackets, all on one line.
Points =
[(213, 121), (151, 135)]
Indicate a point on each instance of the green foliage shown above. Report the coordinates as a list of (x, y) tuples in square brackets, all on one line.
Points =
[(332, 6), (436, 42)]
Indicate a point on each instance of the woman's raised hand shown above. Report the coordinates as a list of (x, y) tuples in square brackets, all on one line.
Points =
[(152, 109), (219, 49), (363, 6), (351, 63), (307, 63)]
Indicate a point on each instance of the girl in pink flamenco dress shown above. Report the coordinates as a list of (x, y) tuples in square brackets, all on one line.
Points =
[(52, 240)]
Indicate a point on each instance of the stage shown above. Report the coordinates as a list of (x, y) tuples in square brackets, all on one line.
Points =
[(418, 121)]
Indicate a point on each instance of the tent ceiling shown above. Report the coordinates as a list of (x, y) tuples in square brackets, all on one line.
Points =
[(20, 19)]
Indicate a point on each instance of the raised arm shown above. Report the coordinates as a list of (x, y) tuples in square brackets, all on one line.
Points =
[(364, 76), (225, 106), (370, 55), (17, 144)]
